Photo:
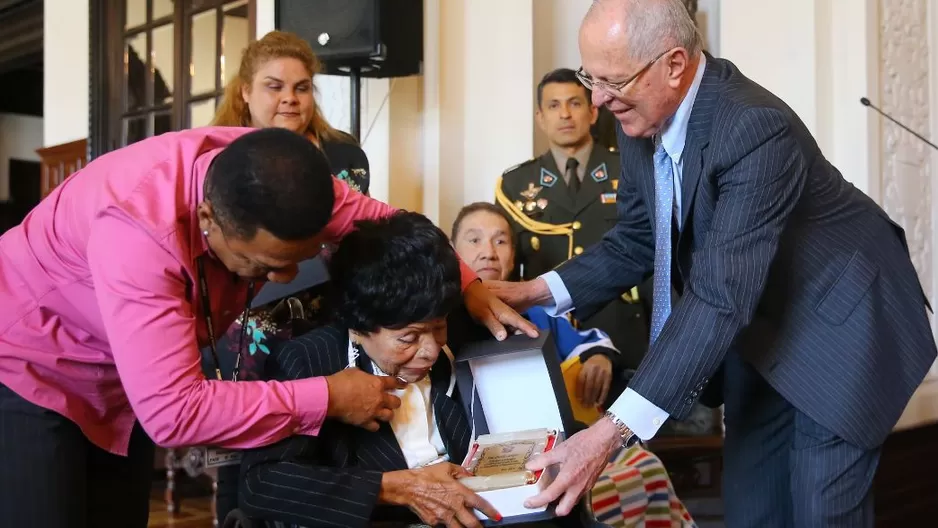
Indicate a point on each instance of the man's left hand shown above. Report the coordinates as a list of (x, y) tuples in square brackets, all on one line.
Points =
[(582, 458), (487, 309)]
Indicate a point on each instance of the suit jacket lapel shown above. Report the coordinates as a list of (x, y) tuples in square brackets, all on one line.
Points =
[(450, 418), (380, 450), (698, 138), (637, 157)]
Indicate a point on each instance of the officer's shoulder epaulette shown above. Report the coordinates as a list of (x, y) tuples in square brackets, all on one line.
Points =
[(518, 166)]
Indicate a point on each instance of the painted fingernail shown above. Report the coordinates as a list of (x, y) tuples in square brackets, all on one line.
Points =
[(498, 517)]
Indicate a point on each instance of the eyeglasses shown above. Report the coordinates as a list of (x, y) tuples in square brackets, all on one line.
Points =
[(614, 89)]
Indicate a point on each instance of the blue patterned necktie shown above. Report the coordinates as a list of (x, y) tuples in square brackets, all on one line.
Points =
[(664, 207)]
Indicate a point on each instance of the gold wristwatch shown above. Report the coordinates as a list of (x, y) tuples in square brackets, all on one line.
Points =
[(629, 438)]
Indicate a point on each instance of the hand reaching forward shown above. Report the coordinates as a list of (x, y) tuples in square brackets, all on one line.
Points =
[(436, 496), (521, 295), (361, 399), (487, 309), (582, 458)]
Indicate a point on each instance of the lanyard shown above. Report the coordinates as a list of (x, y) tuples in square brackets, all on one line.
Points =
[(207, 313)]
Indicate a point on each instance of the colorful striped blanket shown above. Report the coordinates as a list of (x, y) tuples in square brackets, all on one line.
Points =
[(635, 491)]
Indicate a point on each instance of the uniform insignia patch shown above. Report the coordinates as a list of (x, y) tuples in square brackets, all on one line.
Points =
[(547, 178), (531, 192), (608, 198), (600, 174), (615, 185)]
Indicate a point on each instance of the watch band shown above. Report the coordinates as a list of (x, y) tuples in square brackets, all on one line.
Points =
[(629, 438)]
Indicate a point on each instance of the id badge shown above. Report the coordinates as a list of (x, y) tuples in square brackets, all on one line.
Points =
[(216, 457)]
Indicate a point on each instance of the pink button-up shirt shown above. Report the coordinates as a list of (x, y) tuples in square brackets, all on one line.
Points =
[(101, 318)]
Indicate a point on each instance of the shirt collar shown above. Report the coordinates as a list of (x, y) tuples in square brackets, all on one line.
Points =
[(582, 156), (674, 136)]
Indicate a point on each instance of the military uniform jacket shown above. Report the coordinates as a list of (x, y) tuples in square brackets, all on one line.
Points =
[(537, 189), (551, 226)]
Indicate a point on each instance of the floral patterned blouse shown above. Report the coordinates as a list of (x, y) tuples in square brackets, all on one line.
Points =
[(272, 324)]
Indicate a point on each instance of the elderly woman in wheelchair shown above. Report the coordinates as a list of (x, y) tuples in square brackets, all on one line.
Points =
[(394, 282), (394, 285)]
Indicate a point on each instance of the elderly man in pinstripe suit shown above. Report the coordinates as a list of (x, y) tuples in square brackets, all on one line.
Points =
[(800, 308)]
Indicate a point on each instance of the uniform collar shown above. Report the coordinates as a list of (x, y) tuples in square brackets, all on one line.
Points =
[(582, 156)]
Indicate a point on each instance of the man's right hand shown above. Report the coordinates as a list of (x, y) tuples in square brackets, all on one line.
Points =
[(436, 496), (361, 399), (521, 295)]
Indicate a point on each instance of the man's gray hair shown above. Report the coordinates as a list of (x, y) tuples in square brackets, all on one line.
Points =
[(655, 26)]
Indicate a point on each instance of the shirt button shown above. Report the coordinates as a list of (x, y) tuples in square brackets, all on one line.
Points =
[(656, 421)]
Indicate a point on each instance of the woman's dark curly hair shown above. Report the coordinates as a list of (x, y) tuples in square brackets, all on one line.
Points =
[(393, 272)]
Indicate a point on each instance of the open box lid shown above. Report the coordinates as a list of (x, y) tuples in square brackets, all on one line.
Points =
[(517, 385)]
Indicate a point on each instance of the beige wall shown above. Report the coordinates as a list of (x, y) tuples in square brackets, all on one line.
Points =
[(65, 71)]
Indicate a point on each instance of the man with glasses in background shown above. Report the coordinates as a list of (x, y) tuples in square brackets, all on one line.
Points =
[(800, 308), (564, 201)]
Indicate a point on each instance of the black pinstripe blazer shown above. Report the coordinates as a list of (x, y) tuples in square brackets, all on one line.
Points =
[(333, 479), (779, 258)]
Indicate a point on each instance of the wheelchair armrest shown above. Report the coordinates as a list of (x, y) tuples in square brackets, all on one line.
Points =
[(238, 519)]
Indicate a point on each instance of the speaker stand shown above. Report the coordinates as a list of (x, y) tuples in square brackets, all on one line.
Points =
[(355, 102)]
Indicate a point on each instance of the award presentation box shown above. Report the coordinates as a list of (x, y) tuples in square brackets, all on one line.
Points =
[(514, 393)]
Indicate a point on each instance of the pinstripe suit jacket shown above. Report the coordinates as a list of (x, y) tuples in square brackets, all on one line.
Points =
[(778, 258), (334, 479)]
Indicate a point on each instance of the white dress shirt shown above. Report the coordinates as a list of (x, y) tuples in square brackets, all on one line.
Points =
[(640, 415), (414, 422)]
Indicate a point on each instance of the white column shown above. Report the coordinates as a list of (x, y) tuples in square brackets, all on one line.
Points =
[(431, 115), (486, 100), (774, 44), (65, 71)]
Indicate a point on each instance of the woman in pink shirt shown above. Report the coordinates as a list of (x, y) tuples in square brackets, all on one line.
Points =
[(112, 284)]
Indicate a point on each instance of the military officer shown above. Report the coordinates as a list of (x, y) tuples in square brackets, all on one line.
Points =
[(565, 200)]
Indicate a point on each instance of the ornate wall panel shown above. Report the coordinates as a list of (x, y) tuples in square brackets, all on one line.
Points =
[(904, 92)]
